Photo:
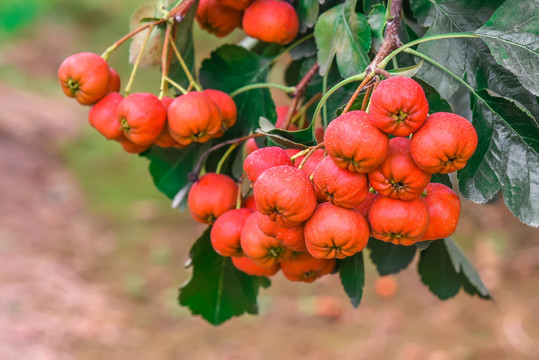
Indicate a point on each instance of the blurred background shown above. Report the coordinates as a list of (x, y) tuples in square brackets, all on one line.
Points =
[(92, 254)]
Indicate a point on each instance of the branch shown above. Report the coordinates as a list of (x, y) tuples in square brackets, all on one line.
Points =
[(298, 93)]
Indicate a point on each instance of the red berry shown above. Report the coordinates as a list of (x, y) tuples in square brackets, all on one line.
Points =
[(102, 116), (216, 18), (271, 21), (444, 211), (142, 117), (304, 267), (260, 160), (211, 196), (226, 231), (248, 266)]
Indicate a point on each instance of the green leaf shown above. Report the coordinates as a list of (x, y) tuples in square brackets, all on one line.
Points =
[(231, 67), (444, 269), (342, 33), (289, 139), (389, 258), (471, 281), (442, 179), (352, 274), (437, 271), (377, 22), (436, 103), (512, 34), (506, 156), (423, 11), (169, 167), (184, 43), (468, 57), (217, 291), (307, 11)]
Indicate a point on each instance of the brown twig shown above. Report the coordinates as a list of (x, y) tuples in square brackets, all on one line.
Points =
[(193, 175), (298, 93), (366, 98)]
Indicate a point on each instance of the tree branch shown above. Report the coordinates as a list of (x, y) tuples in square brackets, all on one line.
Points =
[(298, 93)]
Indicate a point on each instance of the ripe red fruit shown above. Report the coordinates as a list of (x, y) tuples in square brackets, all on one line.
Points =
[(286, 195), (444, 210), (236, 4), (227, 107), (262, 249), (304, 267), (260, 160), (365, 206), (131, 147), (216, 18), (335, 232), (342, 187), (249, 203), (444, 143), (398, 176), (193, 117), (211, 196), (102, 116), (248, 266), (164, 139), (398, 221), (251, 146), (114, 80), (226, 231), (142, 117), (271, 21), (291, 237), (399, 106), (85, 77), (311, 163), (354, 143)]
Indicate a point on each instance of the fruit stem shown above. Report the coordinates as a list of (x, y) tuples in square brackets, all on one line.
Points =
[(185, 68), (299, 154), (164, 63), (298, 93), (176, 85), (137, 62), (304, 109), (240, 197), (357, 92), (193, 175), (366, 98), (225, 156), (287, 89), (308, 155)]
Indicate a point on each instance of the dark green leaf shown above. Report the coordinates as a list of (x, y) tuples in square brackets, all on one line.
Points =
[(422, 245), (352, 275), (377, 22), (473, 283), (442, 179), (423, 11), (506, 157), (389, 258), (342, 33), (437, 271), (217, 291), (169, 167), (512, 34), (468, 57), (231, 67), (305, 49), (436, 103), (307, 11)]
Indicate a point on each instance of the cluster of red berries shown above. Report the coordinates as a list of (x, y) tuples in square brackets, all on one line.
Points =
[(307, 213), (271, 21), (139, 120)]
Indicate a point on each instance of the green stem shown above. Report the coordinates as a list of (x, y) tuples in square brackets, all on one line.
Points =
[(225, 156), (384, 62), (330, 92), (324, 90), (176, 85), (287, 89), (439, 66), (137, 62)]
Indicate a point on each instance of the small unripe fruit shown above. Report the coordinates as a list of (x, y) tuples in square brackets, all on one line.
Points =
[(226, 231), (260, 160), (335, 232), (211, 196), (399, 106), (286, 195), (142, 117), (444, 143), (397, 221), (354, 143), (248, 266), (271, 21)]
